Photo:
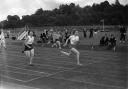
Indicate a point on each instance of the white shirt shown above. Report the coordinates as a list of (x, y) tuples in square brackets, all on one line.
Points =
[(56, 36), (74, 39), (29, 40), (2, 36)]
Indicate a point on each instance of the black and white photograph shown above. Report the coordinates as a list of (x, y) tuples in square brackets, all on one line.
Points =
[(63, 44)]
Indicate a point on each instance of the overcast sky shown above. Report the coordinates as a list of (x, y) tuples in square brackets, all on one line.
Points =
[(27, 7)]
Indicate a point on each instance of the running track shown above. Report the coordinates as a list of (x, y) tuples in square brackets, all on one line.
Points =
[(100, 70)]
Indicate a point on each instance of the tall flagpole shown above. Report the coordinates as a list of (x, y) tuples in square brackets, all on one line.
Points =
[(103, 24)]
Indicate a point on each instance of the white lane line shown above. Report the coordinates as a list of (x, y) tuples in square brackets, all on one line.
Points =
[(20, 73), (57, 62), (27, 69), (25, 73), (59, 67), (36, 76), (12, 78), (75, 68), (44, 65), (63, 68), (87, 74), (31, 79), (34, 79), (48, 61), (98, 56), (56, 72), (87, 51), (2, 83), (92, 83)]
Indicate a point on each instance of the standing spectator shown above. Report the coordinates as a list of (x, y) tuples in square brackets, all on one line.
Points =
[(61, 37), (8, 33), (122, 34), (91, 33), (44, 37), (66, 35), (84, 33), (50, 36)]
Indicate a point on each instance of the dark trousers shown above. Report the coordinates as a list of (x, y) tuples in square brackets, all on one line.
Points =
[(122, 37)]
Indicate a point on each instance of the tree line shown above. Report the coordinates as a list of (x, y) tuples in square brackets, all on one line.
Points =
[(72, 15)]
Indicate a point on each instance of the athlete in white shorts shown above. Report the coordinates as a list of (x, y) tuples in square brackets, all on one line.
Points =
[(74, 40)]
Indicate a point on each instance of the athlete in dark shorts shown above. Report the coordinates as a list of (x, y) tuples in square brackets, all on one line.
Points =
[(28, 49)]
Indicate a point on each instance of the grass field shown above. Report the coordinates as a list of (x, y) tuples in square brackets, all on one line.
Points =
[(102, 68)]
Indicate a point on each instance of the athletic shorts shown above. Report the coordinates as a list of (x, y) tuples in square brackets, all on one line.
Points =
[(73, 46), (27, 48), (2, 42), (57, 40)]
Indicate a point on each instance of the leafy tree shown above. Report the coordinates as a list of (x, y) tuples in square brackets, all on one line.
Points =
[(68, 15)]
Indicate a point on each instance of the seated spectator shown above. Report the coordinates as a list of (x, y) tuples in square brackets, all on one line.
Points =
[(104, 40), (66, 35), (112, 42), (50, 37), (43, 37), (122, 34)]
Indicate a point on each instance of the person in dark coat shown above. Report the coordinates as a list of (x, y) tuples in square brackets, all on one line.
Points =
[(91, 33), (122, 34), (104, 40), (85, 33)]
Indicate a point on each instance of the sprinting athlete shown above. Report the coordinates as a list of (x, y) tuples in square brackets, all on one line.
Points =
[(74, 41), (28, 49)]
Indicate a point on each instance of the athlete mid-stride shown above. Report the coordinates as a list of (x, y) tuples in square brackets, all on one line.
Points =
[(74, 41), (28, 49)]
